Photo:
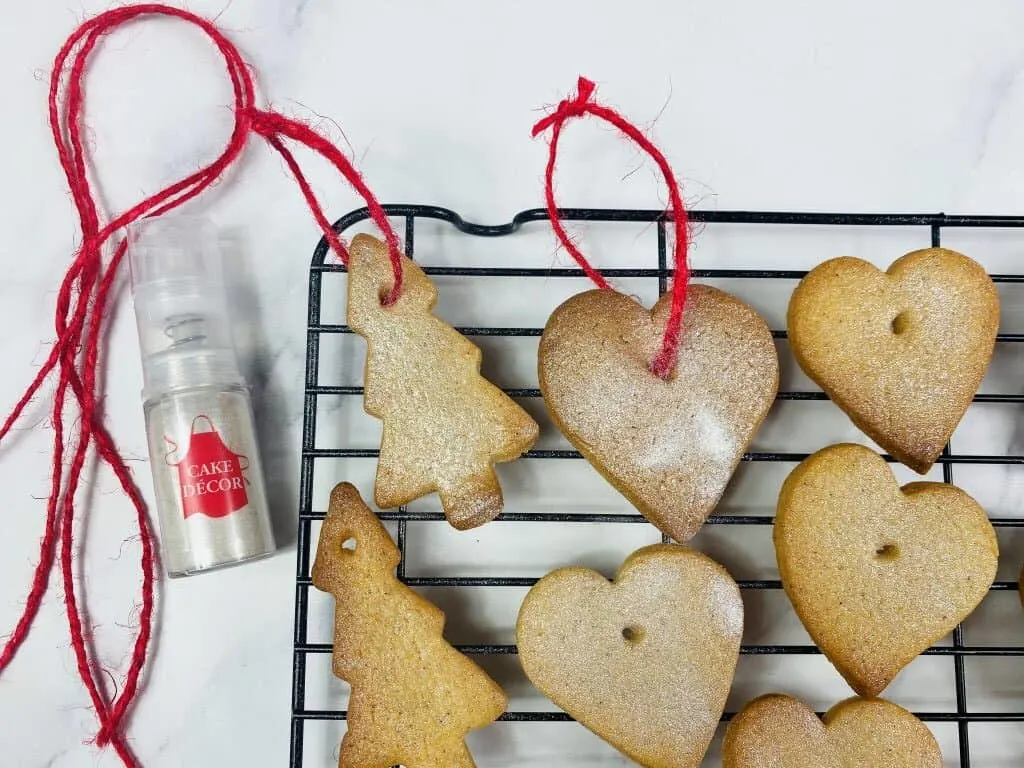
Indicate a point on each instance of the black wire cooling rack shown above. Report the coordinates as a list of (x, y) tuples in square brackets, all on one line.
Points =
[(931, 225)]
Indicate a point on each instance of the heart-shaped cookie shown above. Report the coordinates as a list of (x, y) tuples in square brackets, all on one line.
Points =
[(902, 352), (777, 731), (878, 573), (645, 661), (669, 446)]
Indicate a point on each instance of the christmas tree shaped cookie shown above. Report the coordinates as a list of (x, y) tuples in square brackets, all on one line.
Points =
[(414, 697), (445, 426)]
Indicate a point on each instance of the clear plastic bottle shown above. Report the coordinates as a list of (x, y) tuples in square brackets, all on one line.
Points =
[(210, 494)]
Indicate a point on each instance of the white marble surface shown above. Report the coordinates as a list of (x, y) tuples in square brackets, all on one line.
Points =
[(912, 106)]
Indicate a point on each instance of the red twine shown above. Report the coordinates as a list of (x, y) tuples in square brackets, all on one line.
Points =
[(79, 322), (578, 106)]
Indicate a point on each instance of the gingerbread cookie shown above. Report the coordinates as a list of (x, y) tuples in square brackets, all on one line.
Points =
[(902, 352), (414, 697), (644, 661), (445, 426), (878, 573), (777, 731), (671, 446)]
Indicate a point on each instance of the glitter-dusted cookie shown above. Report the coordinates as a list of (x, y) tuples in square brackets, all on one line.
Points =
[(878, 573), (671, 446), (902, 352), (644, 661), (445, 426), (414, 697), (777, 731)]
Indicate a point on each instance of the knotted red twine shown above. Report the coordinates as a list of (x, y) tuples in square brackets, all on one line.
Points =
[(81, 314), (582, 104)]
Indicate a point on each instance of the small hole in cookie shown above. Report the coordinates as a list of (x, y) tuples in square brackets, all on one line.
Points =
[(900, 323), (887, 553), (632, 634), (384, 295), (349, 544)]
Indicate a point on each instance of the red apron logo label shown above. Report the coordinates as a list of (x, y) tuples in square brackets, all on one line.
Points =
[(209, 474)]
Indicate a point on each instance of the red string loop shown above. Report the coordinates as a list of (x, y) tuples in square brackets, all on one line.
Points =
[(81, 313), (580, 105)]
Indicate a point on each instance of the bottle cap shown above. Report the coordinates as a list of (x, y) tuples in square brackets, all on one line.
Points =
[(180, 305)]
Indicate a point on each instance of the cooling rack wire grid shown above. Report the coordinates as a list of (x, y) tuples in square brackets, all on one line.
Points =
[(498, 284)]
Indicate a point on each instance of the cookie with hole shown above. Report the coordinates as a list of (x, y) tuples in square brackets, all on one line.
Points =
[(901, 352), (414, 697), (878, 573), (670, 446), (646, 660), (444, 425)]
